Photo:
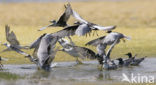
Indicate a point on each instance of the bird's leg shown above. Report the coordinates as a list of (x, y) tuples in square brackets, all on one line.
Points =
[(123, 40), (78, 61), (93, 33), (97, 33), (71, 42)]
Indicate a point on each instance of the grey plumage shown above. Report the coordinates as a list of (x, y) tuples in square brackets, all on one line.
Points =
[(44, 48), (126, 62), (45, 51), (11, 38), (135, 62), (62, 21), (86, 27), (109, 64), (108, 39), (76, 51)]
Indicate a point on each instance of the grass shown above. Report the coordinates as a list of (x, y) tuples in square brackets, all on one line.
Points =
[(135, 18), (8, 76)]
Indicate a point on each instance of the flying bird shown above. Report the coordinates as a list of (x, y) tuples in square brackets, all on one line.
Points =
[(108, 39), (86, 27), (62, 21), (76, 51), (11, 38)]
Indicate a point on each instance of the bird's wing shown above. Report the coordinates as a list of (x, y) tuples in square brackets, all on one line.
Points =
[(82, 30), (78, 17), (11, 37), (66, 15), (19, 51), (106, 28), (43, 28), (85, 52), (36, 42), (95, 42), (68, 31), (110, 49)]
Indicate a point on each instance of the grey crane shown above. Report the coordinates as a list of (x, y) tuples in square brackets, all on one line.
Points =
[(108, 39), (45, 51), (11, 38), (135, 62), (82, 27), (109, 64), (62, 21), (76, 51), (86, 27)]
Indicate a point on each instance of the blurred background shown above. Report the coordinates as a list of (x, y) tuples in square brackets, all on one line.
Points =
[(134, 18)]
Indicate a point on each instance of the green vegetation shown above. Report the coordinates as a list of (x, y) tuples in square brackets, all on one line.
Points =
[(9, 76)]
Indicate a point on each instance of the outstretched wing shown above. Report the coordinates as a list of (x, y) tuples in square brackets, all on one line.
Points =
[(66, 15), (11, 37), (68, 31), (85, 52), (106, 28), (95, 42), (36, 43), (77, 16)]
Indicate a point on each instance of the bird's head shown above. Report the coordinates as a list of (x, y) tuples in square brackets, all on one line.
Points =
[(129, 54), (109, 31), (119, 59), (77, 23)]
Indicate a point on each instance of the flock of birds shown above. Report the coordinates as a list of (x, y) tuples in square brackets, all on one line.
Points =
[(45, 46)]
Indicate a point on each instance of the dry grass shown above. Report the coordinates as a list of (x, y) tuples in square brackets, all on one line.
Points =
[(134, 18)]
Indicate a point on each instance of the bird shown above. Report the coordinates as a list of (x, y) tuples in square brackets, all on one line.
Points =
[(35, 45), (11, 38), (62, 21), (1, 65), (108, 39), (86, 27), (125, 62), (135, 62), (45, 51), (76, 51), (109, 64)]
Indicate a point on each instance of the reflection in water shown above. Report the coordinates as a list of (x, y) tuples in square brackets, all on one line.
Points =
[(68, 72)]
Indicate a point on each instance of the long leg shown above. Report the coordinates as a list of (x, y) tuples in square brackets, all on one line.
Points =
[(71, 41)]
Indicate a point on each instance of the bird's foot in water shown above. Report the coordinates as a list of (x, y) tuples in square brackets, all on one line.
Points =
[(100, 67)]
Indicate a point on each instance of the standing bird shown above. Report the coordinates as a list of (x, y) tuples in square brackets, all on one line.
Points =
[(135, 62), (62, 22), (11, 38), (76, 51)]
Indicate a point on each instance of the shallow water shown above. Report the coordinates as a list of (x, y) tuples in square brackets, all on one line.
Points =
[(69, 72)]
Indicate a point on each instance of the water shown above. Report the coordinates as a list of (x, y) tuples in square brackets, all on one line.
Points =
[(69, 73)]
